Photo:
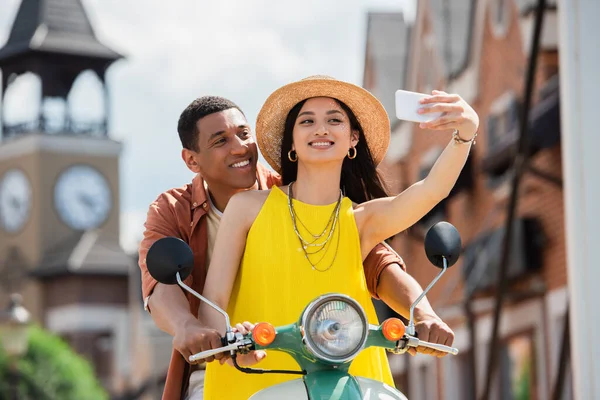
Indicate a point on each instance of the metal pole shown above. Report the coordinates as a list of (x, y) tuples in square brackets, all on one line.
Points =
[(519, 167), (579, 82)]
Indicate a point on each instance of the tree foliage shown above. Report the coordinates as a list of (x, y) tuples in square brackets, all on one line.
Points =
[(50, 370)]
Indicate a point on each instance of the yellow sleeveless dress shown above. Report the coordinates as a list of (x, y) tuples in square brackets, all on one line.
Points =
[(276, 282)]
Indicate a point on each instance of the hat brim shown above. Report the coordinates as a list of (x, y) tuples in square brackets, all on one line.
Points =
[(370, 113)]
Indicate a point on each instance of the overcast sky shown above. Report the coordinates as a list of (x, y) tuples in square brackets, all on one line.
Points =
[(242, 50)]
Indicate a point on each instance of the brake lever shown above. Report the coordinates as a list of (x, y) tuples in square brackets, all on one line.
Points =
[(238, 345), (411, 341), (434, 346)]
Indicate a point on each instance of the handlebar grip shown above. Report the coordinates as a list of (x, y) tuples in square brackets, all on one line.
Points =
[(438, 347), (212, 352)]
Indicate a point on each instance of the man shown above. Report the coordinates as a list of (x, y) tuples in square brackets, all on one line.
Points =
[(219, 148)]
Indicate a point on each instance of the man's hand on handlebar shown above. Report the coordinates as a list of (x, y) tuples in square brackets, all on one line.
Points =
[(253, 357), (192, 337), (432, 329)]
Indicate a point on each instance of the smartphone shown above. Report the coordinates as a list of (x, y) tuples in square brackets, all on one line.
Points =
[(407, 104)]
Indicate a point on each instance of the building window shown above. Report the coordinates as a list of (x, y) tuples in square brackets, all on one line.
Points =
[(502, 131), (458, 376), (97, 348), (501, 123), (428, 76), (500, 11), (428, 380), (103, 356), (481, 259), (500, 17), (439, 212), (517, 368), (466, 376)]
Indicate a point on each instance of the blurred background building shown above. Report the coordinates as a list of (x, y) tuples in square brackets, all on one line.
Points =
[(59, 208), (60, 196), (480, 50)]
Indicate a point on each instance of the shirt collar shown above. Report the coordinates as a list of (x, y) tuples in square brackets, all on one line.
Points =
[(211, 206), (199, 195)]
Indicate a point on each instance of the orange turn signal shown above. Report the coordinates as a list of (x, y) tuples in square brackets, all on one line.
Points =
[(393, 329), (263, 334)]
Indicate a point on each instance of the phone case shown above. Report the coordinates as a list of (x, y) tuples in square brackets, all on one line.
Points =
[(407, 104)]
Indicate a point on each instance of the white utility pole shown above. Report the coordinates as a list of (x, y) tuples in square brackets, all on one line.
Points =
[(579, 49)]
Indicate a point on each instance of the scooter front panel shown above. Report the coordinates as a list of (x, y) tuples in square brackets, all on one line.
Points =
[(294, 389), (375, 390)]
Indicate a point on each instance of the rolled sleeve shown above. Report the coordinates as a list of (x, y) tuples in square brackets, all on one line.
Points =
[(160, 222), (379, 259)]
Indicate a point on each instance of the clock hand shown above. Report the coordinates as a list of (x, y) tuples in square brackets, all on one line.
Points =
[(15, 203), (87, 201)]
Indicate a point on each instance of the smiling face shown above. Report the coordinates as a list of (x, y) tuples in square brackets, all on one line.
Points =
[(322, 132), (226, 153)]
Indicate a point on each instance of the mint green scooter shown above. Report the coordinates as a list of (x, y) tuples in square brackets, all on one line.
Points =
[(331, 331)]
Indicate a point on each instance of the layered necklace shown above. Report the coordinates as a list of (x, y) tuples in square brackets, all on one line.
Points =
[(315, 245)]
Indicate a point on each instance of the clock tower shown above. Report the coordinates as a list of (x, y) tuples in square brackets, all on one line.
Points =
[(59, 188)]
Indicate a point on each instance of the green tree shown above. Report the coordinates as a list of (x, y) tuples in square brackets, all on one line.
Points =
[(50, 370)]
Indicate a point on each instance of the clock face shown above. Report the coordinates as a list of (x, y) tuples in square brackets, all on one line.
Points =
[(15, 200), (82, 197)]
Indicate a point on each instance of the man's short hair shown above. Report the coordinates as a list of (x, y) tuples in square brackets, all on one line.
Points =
[(199, 108)]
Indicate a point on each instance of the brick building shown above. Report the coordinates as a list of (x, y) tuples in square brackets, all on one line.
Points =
[(480, 50)]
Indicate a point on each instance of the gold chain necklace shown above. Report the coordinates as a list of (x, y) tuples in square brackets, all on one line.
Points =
[(321, 246), (334, 216)]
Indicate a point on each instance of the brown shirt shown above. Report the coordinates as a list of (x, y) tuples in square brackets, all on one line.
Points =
[(182, 213)]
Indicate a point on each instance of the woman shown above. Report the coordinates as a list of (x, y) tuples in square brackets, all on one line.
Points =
[(277, 250)]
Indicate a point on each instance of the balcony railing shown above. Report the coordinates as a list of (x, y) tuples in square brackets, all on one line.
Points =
[(68, 127)]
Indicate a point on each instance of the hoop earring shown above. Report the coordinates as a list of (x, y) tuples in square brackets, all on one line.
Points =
[(290, 156), (353, 156)]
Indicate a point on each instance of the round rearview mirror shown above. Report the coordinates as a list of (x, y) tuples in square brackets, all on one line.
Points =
[(168, 256), (442, 241)]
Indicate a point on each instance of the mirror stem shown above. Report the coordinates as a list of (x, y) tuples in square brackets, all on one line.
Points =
[(410, 329), (229, 333)]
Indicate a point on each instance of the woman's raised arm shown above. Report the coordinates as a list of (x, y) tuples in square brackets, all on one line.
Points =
[(381, 218)]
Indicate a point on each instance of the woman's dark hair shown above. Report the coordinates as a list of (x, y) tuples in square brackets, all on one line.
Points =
[(360, 180)]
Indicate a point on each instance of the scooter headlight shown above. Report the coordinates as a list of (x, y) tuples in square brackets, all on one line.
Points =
[(335, 328)]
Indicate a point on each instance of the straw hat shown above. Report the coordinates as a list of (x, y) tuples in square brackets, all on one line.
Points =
[(371, 115)]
